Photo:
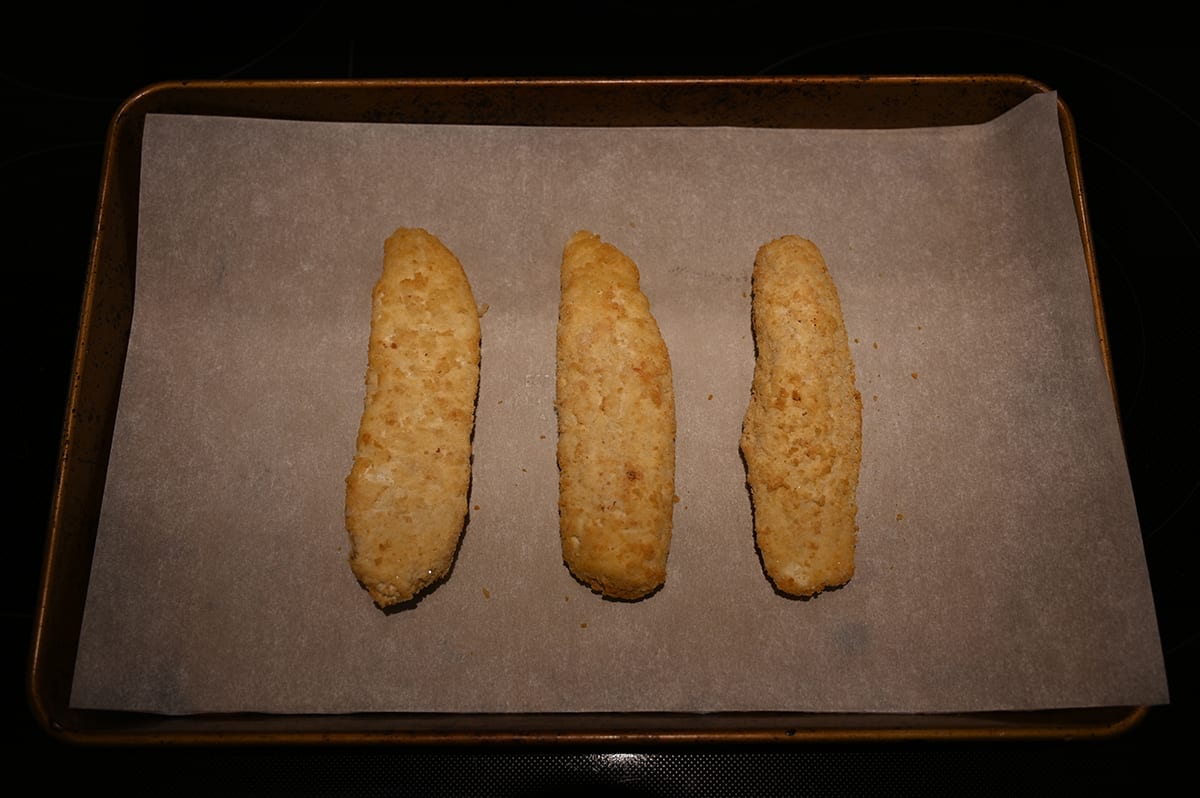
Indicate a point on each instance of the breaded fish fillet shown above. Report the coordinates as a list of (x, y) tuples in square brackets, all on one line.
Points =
[(406, 495), (802, 433), (616, 424)]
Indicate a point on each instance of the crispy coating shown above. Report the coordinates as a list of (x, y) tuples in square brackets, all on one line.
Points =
[(802, 433), (616, 424), (406, 494)]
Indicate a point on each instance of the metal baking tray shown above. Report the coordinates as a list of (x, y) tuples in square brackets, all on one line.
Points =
[(103, 335)]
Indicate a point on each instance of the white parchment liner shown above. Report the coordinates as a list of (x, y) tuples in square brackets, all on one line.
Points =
[(999, 562)]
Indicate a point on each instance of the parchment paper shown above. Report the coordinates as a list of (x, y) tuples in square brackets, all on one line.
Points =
[(999, 560)]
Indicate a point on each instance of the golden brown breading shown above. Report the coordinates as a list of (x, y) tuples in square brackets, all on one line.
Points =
[(616, 424), (802, 434), (406, 495)]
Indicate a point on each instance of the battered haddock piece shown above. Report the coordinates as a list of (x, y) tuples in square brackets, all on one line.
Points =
[(616, 424), (802, 434), (406, 495)]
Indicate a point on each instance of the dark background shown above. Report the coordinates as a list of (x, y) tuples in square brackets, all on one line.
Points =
[(1127, 83)]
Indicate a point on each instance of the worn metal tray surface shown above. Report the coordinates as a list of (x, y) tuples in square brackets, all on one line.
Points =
[(834, 102)]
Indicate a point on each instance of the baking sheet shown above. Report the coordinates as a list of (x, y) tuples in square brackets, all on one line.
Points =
[(999, 561)]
